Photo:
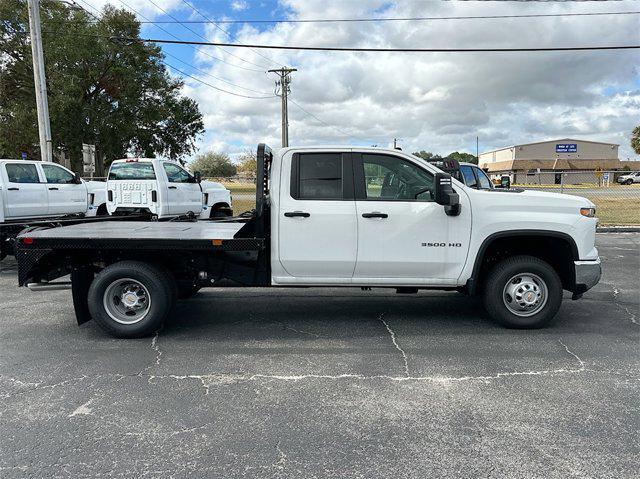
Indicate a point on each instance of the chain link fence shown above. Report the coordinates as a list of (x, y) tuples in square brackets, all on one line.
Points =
[(616, 194)]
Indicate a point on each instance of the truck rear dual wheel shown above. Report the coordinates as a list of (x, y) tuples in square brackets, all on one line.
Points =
[(523, 292), (131, 299)]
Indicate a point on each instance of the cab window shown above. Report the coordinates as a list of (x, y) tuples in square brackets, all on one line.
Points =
[(22, 173), (176, 174), (317, 176), (468, 176), (57, 175), (132, 171), (388, 178), (484, 183)]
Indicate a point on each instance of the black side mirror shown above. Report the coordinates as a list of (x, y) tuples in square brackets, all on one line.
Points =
[(197, 176), (76, 179), (445, 195)]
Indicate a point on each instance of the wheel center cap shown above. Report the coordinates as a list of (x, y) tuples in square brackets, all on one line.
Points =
[(530, 297), (130, 299)]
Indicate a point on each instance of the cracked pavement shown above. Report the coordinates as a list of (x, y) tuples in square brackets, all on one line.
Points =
[(326, 383)]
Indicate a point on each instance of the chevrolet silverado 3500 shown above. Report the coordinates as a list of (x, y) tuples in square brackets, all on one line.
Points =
[(331, 216)]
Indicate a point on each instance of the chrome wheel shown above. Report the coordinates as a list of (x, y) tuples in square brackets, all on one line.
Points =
[(525, 294), (127, 301)]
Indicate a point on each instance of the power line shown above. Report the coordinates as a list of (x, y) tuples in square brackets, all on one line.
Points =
[(376, 49), (340, 132), (201, 36), (172, 35), (226, 32), (215, 87), (195, 68), (411, 19)]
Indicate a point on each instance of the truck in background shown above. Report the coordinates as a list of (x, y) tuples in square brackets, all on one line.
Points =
[(32, 190), (164, 189)]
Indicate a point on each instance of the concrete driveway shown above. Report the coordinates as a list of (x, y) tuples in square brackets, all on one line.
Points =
[(326, 383)]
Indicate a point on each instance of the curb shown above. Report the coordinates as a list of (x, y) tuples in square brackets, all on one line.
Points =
[(618, 229)]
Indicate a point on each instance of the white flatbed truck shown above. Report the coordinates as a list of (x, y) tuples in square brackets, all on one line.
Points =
[(331, 216)]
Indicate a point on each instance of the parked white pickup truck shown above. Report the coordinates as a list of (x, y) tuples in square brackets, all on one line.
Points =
[(334, 216), (32, 190), (163, 188)]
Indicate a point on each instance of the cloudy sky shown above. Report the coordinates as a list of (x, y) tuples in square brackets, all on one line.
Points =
[(433, 101)]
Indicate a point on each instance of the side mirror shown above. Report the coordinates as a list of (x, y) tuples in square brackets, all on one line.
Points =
[(76, 179), (197, 176), (445, 195)]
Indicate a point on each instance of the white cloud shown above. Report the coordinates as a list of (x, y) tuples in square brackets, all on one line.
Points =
[(239, 5), (438, 102)]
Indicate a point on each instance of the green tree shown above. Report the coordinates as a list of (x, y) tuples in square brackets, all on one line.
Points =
[(117, 95), (248, 164), (213, 165), (425, 155), (635, 139), (464, 157)]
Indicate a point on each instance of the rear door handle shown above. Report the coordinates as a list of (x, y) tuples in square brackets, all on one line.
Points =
[(13, 189), (173, 187), (296, 214), (375, 214), (53, 189)]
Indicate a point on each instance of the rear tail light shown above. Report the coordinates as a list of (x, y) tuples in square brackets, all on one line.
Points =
[(154, 196), (27, 240), (110, 195)]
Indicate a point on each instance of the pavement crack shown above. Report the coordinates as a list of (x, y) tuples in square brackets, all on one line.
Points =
[(82, 410), (397, 346), (282, 459), (156, 348), (582, 365), (632, 316)]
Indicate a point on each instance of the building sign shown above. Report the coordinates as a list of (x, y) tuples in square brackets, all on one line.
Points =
[(566, 148)]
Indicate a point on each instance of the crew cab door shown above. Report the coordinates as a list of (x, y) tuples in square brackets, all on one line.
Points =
[(24, 194), (317, 218), (183, 192), (404, 237), (65, 195)]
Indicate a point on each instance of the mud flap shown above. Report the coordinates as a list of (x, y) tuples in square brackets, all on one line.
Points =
[(81, 279)]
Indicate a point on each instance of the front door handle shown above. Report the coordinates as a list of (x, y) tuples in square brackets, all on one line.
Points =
[(297, 214), (13, 189), (53, 189), (375, 214), (173, 187)]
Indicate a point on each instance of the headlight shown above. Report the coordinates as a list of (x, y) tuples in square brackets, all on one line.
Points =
[(588, 212)]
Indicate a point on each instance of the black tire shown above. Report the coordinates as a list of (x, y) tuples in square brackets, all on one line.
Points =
[(497, 282), (628, 182), (159, 286), (220, 211), (102, 210), (187, 290)]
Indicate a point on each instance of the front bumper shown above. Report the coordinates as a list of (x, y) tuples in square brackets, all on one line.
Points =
[(588, 274)]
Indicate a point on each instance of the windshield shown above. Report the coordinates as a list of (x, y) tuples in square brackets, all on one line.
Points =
[(132, 171)]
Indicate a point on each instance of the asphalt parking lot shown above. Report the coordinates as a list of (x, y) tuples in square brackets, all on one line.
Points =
[(326, 383)]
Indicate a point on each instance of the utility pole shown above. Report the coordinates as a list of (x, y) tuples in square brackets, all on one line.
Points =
[(283, 84), (477, 150), (40, 81)]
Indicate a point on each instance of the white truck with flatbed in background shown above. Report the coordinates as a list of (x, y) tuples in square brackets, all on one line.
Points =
[(33, 191), (164, 189), (332, 216)]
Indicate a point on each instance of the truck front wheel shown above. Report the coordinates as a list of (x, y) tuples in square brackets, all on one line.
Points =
[(523, 292), (131, 299)]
